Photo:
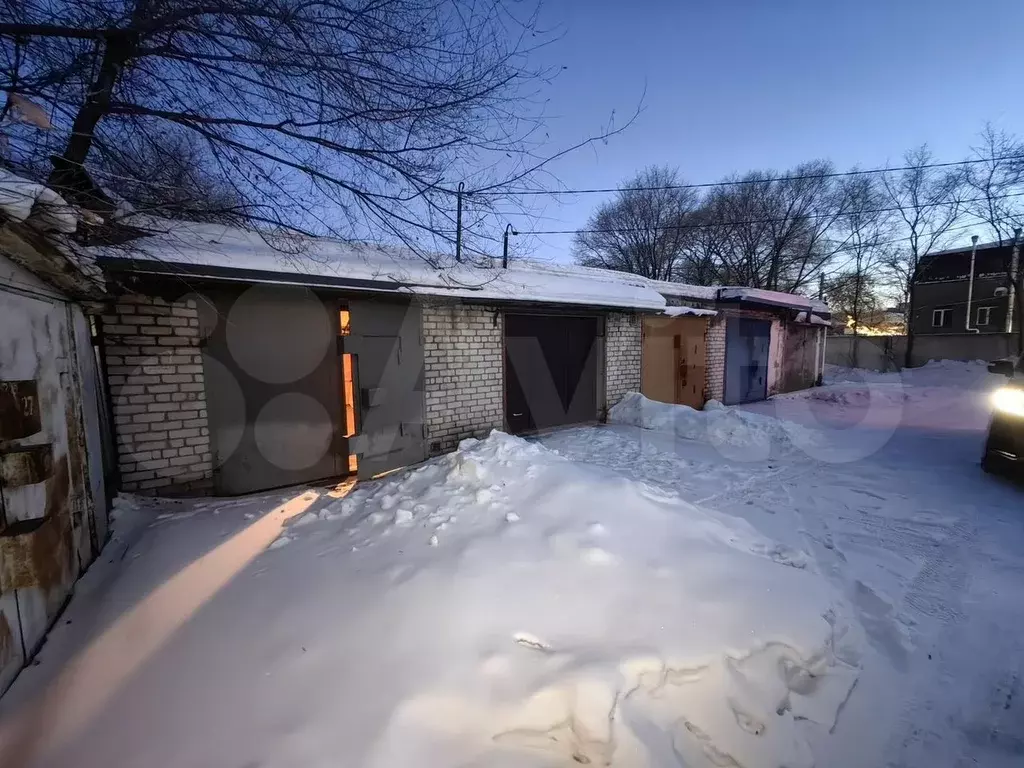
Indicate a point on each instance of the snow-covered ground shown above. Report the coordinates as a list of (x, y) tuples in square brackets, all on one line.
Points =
[(821, 579)]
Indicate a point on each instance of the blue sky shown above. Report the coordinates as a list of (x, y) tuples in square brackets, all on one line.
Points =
[(733, 85)]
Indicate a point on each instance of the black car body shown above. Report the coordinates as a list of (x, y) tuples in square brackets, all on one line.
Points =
[(1004, 447)]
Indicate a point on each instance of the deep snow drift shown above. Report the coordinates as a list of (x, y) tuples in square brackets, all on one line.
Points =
[(500, 606), (930, 382), (735, 432), (894, 509), (598, 619)]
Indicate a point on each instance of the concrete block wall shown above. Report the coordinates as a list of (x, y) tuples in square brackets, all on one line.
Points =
[(463, 374), (714, 384), (623, 356), (158, 394)]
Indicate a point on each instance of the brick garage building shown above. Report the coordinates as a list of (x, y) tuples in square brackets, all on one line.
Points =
[(742, 344), (232, 370), (155, 377)]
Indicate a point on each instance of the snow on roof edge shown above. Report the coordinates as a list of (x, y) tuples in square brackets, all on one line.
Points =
[(227, 248), (684, 290), (690, 311), (26, 201), (778, 298)]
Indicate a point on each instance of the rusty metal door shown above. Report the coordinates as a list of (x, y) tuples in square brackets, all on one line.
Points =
[(387, 347), (42, 487), (674, 360), (273, 388), (800, 352)]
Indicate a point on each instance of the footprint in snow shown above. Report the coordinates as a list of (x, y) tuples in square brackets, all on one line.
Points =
[(781, 555)]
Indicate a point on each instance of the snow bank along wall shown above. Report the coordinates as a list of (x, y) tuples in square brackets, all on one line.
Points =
[(464, 369), (190, 420), (53, 512), (888, 353)]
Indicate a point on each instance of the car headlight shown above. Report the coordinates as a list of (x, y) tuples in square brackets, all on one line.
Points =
[(1009, 400)]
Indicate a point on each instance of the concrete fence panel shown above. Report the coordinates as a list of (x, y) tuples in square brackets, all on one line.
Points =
[(887, 353)]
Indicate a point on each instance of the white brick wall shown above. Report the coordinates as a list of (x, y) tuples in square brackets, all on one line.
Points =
[(714, 386), (623, 347), (157, 388), (463, 378)]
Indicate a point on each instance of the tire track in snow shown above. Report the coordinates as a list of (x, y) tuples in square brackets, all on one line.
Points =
[(938, 589)]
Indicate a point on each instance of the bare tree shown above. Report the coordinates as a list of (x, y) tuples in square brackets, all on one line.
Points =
[(340, 116), (169, 176), (996, 185), (855, 295), (927, 203), (644, 230), (702, 258), (866, 228), (774, 230)]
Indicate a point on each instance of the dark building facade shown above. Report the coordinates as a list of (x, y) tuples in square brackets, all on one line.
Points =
[(941, 289)]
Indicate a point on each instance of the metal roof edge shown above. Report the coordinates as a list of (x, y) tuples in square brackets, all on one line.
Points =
[(154, 267), (159, 268)]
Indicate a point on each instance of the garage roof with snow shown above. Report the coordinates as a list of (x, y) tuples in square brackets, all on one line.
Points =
[(765, 297), (226, 253)]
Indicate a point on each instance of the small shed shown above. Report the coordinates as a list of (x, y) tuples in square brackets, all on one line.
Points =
[(775, 342), (732, 344)]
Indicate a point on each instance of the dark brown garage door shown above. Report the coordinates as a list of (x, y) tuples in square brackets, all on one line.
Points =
[(550, 371)]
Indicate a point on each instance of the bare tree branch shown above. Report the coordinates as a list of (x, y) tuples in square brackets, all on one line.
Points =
[(353, 118), (640, 230)]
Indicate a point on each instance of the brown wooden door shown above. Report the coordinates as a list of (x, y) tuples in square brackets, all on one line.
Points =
[(674, 360)]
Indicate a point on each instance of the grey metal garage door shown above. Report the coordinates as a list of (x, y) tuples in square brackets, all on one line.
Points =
[(747, 343), (386, 345), (273, 387)]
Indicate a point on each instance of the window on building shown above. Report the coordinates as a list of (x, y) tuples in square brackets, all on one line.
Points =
[(984, 316), (942, 318)]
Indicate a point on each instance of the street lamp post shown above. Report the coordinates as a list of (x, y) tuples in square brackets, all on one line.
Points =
[(504, 253)]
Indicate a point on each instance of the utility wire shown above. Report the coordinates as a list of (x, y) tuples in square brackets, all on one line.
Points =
[(491, 191), (719, 224)]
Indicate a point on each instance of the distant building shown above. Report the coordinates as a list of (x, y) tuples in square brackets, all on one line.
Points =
[(942, 287)]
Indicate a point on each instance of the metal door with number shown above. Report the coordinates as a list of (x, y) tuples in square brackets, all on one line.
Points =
[(44, 514), (747, 343), (387, 349)]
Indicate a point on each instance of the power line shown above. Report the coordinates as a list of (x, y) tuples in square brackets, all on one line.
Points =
[(717, 224), (491, 192)]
